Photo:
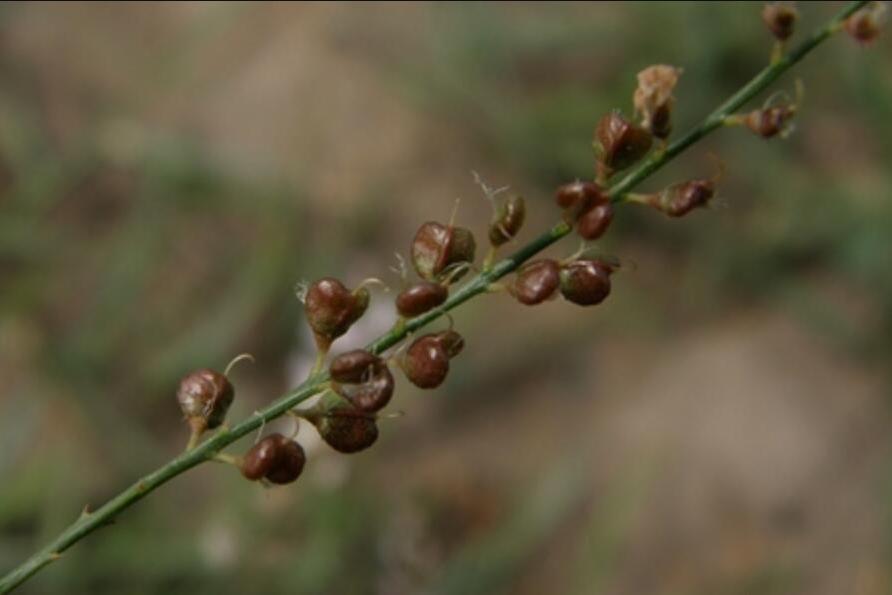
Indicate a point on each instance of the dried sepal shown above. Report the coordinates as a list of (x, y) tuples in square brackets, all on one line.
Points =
[(536, 282), (780, 18), (204, 397), (363, 379), (277, 459), (507, 221), (653, 98), (586, 282), (619, 143), (420, 298), (439, 249), (332, 309)]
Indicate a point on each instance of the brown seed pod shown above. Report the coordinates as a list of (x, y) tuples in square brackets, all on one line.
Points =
[(451, 341), (437, 248), (420, 297), (770, 121), (276, 458), (594, 222), (355, 366), (620, 142), (345, 428), (865, 25), (586, 282), (426, 361), (261, 458), (204, 397), (508, 221), (681, 199), (536, 281), (332, 309), (780, 18), (290, 464), (363, 379), (578, 197)]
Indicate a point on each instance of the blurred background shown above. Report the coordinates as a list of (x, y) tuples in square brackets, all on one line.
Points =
[(168, 172)]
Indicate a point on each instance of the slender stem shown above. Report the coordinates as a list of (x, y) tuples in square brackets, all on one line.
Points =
[(89, 522)]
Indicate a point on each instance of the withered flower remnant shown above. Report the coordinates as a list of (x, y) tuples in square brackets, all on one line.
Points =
[(653, 98)]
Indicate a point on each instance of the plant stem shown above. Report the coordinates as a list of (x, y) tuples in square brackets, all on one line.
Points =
[(89, 522)]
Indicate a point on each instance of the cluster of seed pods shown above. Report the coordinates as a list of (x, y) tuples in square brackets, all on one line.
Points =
[(361, 383)]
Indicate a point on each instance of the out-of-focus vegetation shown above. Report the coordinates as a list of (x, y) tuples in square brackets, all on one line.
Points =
[(169, 171)]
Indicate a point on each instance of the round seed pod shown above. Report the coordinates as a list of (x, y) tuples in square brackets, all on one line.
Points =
[(426, 362), (436, 248), (371, 395), (578, 197), (780, 18), (508, 221), (276, 458), (586, 282), (421, 297), (262, 457), (355, 366), (345, 429), (594, 222), (451, 341), (332, 309), (363, 379), (290, 463), (204, 397), (865, 25), (621, 142), (681, 199), (770, 121), (536, 282)]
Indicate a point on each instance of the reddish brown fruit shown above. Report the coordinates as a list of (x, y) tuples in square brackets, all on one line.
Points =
[(780, 18), (536, 282), (421, 297), (866, 24), (508, 221), (355, 366), (681, 199), (621, 143), (586, 282), (452, 342), (770, 121), (345, 428), (578, 197), (290, 464), (426, 362), (332, 309), (204, 397), (276, 458), (261, 458), (363, 379), (437, 249), (594, 222)]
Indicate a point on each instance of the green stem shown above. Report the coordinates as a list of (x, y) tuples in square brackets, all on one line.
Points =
[(89, 522)]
